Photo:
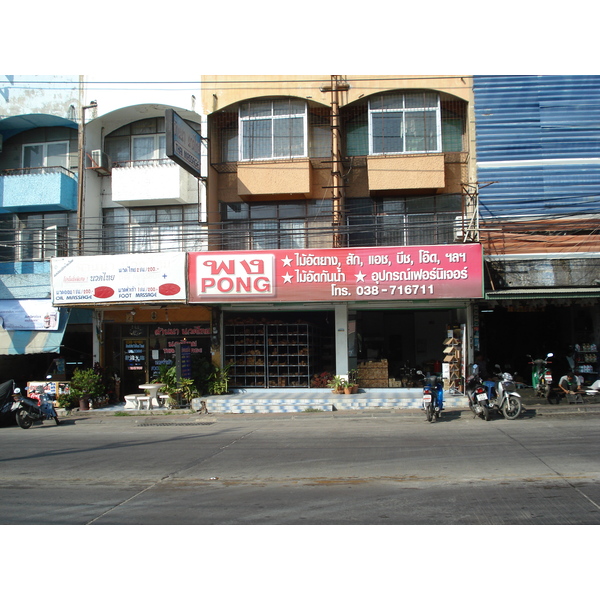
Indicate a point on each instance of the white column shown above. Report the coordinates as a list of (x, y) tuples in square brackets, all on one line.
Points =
[(341, 340)]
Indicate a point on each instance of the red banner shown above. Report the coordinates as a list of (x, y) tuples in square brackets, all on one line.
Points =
[(337, 274)]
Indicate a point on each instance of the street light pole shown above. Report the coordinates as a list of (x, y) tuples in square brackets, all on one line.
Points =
[(80, 175)]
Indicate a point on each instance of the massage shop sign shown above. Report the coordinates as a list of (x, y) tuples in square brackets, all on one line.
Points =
[(120, 278), (337, 274)]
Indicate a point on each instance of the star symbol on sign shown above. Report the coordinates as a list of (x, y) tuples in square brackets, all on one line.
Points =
[(360, 276), (287, 278), (287, 261)]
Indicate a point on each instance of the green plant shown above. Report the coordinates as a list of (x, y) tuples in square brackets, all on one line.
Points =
[(67, 401), (184, 388), (85, 384), (353, 376), (336, 382), (218, 380)]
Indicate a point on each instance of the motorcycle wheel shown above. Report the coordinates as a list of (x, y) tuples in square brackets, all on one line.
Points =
[(511, 409), (485, 412), (429, 411), (24, 421)]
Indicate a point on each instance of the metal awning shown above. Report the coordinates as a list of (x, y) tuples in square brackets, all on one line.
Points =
[(536, 293)]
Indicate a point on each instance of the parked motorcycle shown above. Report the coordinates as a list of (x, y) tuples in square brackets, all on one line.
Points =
[(506, 399), (433, 397), (541, 375), (29, 411), (477, 395), (6, 401)]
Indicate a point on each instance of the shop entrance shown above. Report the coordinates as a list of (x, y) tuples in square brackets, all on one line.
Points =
[(406, 340), (139, 351)]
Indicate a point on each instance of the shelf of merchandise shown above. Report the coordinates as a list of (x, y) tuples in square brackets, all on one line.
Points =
[(245, 352), (453, 358), (274, 355), (586, 361)]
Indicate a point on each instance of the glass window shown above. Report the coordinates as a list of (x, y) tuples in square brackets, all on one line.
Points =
[(139, 141), (273, 129), (407, 122), (51, 154)]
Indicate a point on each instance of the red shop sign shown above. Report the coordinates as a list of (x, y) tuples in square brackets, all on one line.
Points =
[(337, 274)]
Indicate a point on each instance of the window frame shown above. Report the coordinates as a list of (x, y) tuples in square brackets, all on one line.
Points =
[(402, 112), (128, 230), (45, 156), (274, 116)]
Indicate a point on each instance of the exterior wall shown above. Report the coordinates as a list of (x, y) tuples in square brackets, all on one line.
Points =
[(219, 91), (374, 175), (538, 141)]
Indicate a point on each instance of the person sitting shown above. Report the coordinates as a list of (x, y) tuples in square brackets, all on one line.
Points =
[(569, 384)]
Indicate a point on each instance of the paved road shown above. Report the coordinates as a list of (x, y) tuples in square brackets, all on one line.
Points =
[(386, 468)]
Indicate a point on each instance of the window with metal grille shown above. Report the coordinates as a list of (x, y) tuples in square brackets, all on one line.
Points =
[(155, 229)]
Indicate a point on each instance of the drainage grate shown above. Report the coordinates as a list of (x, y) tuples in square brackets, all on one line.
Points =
[(171, 424)]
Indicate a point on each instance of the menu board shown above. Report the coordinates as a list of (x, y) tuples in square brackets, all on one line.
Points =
[(134, 354), (183, 352)]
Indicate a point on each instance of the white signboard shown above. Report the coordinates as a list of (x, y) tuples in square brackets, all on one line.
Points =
[(135, 278), (28, 315)]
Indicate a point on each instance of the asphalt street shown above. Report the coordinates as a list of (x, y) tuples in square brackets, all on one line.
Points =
[(377, 468)]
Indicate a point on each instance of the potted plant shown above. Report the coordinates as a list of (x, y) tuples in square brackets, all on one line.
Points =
[(85, 384), (184, 389), (218, 380), (353, 380), (337, 384)]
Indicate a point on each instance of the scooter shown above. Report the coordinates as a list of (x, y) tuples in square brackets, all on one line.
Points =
[(477, 395), (29, 411), (506, 400), (433, 397), (541, 376)]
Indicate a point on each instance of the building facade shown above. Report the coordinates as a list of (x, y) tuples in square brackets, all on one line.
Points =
[(386, 224), (538, 161)]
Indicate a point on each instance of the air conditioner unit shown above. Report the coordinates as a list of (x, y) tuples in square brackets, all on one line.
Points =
[(99, 161), (459, 229)]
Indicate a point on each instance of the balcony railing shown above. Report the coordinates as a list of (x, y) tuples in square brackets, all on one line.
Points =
[(232, 235)]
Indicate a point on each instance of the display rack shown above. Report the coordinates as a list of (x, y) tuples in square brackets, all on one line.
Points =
[(586, 361), (273, 355), (453, 359)]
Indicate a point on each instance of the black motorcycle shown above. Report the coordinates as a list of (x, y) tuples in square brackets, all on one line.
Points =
[(6, 401), (477, 395), (29, 411)]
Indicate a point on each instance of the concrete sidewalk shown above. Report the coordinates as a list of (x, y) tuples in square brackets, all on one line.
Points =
[(532, 407)]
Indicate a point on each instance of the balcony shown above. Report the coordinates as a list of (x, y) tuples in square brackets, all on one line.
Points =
[(274, 180), (422, 172), (152, 182), (38, 190)]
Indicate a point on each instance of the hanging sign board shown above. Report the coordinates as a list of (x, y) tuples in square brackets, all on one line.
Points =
[(183, 144), (337, 274)]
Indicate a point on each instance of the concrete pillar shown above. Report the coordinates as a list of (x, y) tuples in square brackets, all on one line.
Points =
[(341, 340)]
